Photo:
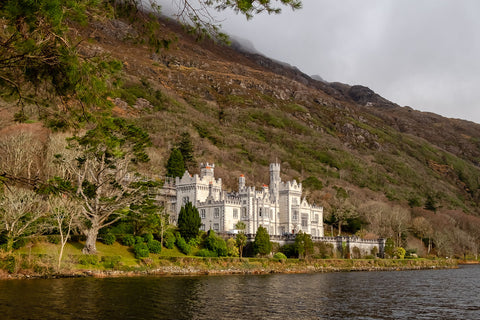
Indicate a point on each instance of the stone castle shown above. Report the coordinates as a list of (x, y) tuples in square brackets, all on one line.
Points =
[(278, 207)]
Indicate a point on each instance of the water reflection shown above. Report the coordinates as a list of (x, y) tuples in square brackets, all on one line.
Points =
[(441, 294)]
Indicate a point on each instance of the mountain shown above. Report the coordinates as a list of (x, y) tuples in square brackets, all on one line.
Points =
[(244, 110)]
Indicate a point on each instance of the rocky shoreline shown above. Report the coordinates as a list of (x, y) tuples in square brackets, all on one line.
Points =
[(199, 267)]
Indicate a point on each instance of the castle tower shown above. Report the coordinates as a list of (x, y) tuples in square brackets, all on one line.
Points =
[(207, 170), (275, 179), (241, 182)]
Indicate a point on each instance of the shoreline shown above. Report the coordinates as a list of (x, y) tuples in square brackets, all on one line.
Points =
[(230, 266)]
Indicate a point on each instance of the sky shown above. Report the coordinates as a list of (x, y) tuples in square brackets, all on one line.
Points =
[(419, 53)]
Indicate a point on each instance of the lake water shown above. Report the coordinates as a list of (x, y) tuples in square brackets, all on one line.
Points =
[(426, 294)]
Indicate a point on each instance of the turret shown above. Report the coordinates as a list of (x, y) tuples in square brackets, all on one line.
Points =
[(274, 179), (206, 170), (241, 182)]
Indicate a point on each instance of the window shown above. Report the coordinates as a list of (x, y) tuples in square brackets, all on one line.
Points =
[(215, 226), (304, 220), (314, 232), (202, 227), (202, 213), (295, 215), (185, 200), (235, 213), (216, 213), (259, 212), (316, 218), (244, 212)]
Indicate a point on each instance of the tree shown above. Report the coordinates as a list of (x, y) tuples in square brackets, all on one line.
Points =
[(21, 212), (341, 211), (198, 16), (303, 244), (189, 221), (241, 238), (424, 229), (241, 241), (186, 149), (262, 244), (399, 221), (175, 164), (66, 212), (102, 173)]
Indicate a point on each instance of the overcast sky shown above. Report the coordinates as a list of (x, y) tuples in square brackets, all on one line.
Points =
[(419, 53)]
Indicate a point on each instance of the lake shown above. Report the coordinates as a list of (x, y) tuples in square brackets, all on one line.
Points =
[(423, 294)]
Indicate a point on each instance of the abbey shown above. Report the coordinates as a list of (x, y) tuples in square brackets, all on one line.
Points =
[(278, 207)]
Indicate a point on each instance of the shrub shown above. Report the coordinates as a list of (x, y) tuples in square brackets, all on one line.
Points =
[(182, 245), (53, 238), (139, 240), (110, 262), (169, 240), (289, 250), (154, 246), (148, 237), (128, 240), (19, 243), (400, 252), (88, 259), (8, 264), (279, 257), (109, 239), (206, 253), (216, 244), (141, 250)]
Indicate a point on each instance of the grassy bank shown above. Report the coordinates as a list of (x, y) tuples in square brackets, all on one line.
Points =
[(40, 260)]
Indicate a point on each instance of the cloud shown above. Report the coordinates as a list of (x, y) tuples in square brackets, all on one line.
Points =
[(418, 53)]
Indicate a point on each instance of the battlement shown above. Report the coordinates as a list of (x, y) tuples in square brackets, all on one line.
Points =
[(196, 179), (290, 186)]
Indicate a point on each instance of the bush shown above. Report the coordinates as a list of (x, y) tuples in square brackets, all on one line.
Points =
[(148, 237), (8, 264), (109, 239), (206, 253), (154, 246), (53, 238), (169, 240), (141, 250), (128, 240), (20, 243), (88, 259), (216, 244), (279, 257), (182, 245), (110, 262), (289, 250), (400, 252), (139, 240)]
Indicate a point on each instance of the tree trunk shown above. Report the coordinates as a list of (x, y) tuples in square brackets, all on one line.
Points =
[(340, 228), (90, 244)]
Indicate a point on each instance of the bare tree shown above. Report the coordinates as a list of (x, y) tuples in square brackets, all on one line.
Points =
[(20, 213), (21, 155), (66, 212), (423, 228), (399, 221), (102, 173)]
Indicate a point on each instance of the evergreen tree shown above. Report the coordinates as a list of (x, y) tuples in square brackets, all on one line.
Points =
[(186, 148), (189, 221), (262, 244), (303, 244), (175, 164)]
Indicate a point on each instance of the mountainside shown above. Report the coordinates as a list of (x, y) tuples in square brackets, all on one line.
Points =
[(244, 111)]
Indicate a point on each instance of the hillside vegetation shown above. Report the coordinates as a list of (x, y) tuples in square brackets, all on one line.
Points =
[(380, 170)]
